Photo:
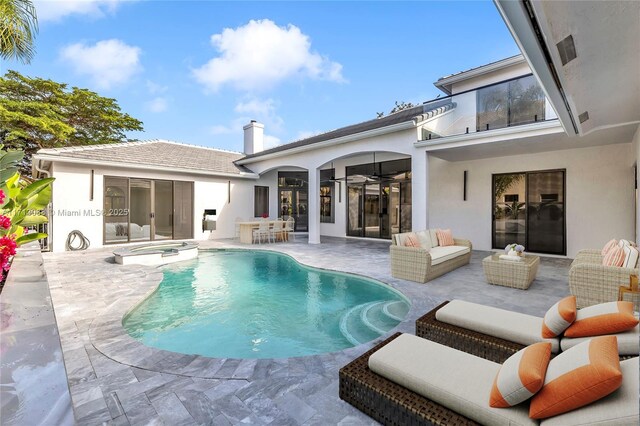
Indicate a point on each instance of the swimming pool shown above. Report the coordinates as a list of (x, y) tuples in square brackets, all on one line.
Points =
[(261, 304)]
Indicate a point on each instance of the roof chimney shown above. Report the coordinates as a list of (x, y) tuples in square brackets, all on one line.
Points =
[(253, 137)]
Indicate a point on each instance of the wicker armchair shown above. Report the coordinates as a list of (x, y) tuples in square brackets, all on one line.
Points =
[(414, 264), (592, 282)]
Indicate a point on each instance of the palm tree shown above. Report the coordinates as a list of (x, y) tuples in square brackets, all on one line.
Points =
[(18, 26)]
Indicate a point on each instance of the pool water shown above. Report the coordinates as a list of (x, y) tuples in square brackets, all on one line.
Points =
[(260, 304)]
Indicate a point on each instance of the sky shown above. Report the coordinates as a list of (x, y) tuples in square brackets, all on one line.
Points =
[(197, 71)]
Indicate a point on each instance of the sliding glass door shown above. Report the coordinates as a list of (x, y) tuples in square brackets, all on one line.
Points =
[(529, 209), (182, 210), (139, 210), (163, 210)]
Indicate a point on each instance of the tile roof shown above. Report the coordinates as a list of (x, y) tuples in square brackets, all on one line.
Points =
[(429, 108), (160, 153)]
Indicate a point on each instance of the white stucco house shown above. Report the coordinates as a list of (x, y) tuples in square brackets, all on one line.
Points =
[(540, 148)]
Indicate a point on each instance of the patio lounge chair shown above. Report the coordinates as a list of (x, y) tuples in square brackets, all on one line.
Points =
[(422, 264), (496, 334), (408, 387)]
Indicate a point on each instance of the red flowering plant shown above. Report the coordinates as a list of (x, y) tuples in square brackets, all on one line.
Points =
[(20, 205)]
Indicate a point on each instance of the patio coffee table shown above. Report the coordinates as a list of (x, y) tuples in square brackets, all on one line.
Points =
[(511, 273)]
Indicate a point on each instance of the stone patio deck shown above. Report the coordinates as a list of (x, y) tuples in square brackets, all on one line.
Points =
[(135, 384)]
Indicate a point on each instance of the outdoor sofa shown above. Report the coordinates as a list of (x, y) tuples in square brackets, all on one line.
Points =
[(430, 260), (592, 282)]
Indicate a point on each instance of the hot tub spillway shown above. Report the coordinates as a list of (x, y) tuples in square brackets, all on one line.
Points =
[(156, 254)]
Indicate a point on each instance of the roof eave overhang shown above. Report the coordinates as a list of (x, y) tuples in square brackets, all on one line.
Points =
[(446, 83), (337, 141), (181, 170), (519, 21)]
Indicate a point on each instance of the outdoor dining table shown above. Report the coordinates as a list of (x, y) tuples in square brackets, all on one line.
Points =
[(246, 229)]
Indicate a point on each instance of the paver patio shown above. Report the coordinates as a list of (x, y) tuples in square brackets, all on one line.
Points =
[(147, 386)]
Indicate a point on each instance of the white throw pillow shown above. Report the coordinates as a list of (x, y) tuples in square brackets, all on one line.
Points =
[(434, 237), (630, 257), (624, 243), (424, 238)]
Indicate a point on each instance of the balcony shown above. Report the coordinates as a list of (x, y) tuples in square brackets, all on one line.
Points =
[(507, 104)]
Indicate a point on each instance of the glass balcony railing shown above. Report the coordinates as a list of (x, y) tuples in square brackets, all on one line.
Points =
[(511, 103)]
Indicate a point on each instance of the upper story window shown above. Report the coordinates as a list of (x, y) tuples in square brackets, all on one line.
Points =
[(514, 102)]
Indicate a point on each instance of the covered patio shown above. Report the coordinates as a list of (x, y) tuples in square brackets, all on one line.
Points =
[(267, 391)]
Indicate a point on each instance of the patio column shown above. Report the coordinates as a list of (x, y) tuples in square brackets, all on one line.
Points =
[(314, 205), (420, 190)]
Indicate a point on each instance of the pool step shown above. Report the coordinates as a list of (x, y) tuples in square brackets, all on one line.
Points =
[(351, 325), (397, 309), (367, 321), (376, 318)]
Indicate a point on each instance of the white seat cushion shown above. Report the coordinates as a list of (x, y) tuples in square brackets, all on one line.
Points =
[(513, 326), (452, 378), (442, 254), (628, 343), (424, 239), (617, 409)]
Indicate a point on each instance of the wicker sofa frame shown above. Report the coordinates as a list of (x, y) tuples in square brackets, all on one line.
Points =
[(386, 401), (592, 282), (414, 263)]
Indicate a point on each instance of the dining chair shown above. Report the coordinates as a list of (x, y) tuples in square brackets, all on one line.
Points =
[(289, 226), (262, 231)]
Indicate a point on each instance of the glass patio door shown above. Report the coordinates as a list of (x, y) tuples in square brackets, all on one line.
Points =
[(354, 213), (182, 210), (545, 218), (140, 206), (389, 209), (163, 210), (528, 209), (372, 210)]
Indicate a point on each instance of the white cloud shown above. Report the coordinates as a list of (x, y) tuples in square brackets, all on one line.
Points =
[(55, 10), (271, 141), (155, 88), (261, 54), (262, 110), (108, 62), (158, 104), (220, 129), (304, 134)]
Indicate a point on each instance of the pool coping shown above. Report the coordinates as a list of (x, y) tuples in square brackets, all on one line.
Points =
[(109, 336)]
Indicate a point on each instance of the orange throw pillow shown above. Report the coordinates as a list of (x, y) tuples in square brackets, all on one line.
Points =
[(559, 317), (521, 376), (445, 238), (411, 240), (614, 257), (611, 244), (583, 374), (604, 318)]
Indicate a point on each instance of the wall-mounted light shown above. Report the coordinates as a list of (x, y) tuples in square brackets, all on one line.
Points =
[(91, 186), (464, 186)]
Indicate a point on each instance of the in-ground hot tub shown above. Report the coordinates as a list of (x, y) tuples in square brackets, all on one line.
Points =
[(156, 254)]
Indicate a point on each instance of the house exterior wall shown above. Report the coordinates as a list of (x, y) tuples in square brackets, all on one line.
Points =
[(599, 194), (73, 210)]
